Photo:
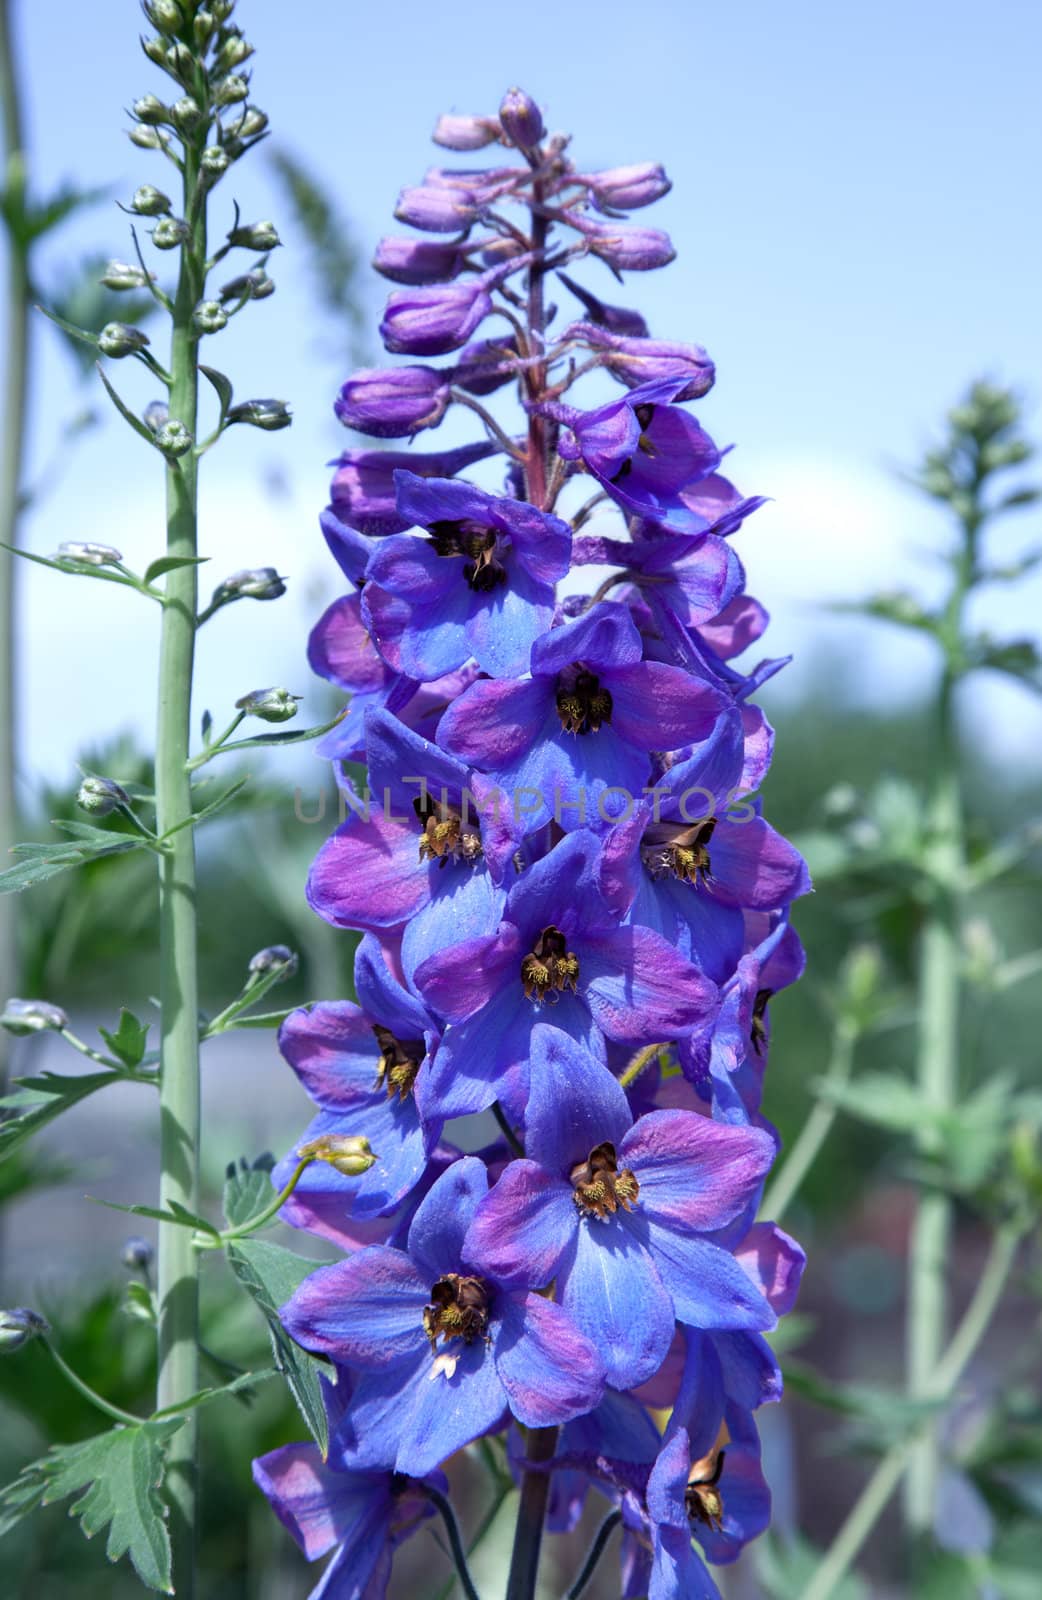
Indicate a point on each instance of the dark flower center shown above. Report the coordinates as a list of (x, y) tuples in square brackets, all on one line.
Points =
[(582, 705), (680, 852), (400, 1061), (758, 1027), (703, 1501), (644, 414), (445, 836), (600, 1188), (549, 968), (458, 1310), (483, 570)]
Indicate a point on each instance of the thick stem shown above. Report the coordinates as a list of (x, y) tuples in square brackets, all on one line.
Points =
[(938, 1059), (12, 448), (528, 1533), (178, 1265)]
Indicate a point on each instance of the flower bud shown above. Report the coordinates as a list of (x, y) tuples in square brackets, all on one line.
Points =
[(137, 1254), (251, 123), (100, 796), (214, 163), (435, 209), (627, 188), (118, 339), (418, 261), (174, 439), (275, 958), (170, 233), (394, 403), (166, 15), (210, 316), (186, 114), (233, 52), (271, 415), (180, 62), (271, 705), (637, 361), (89, 555), (349, 1154), (626, 249), (148, 138), (20, 1325), (222, 9), (232, 90), (150, 110), (122, 275), (252, 583), (520, 119), (155, 415), (255, 236), (617, 319), (465, 133), (203, 24), (253, 285), (150, 202), (486, 365), (155, 49), (429, 322), (32, 1016)]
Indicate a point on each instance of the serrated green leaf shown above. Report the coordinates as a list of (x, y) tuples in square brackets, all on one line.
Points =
[(248, 1190), (164, 564), (129, 1040), (271, 1274), (39, 1100), (121, 1473), (38, 862)]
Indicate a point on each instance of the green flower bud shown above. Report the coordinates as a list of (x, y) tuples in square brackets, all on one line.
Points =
[(251, 123), (122, 275), (155, 49), (169, 233), (155, 415), (255, 236), (210, 316), (275, 957), (270, 705), (203, 26), (350, 1154), (186, 113), (271, 415), (89, 555), (18, 1327), (32, 1016), (100, 796), (118, 339), (214, 163), (174, 439), (252, 583), (150, 202), (180, 63), (166, 15), (222, 9), (232, 90), (137, 1254), (148, 138), (150, 109), (255, 285), (233, 52)]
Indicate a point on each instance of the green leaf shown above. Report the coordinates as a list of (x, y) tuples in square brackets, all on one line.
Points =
[(164, 564), (139, 427), (177, 1213), (38, 862), (882, 1098), (140, 1303), (271, 1274), (945, 1575), (246, 1382), (81, 335), (129, 1040), (121, 1473), (37, 1101), (785, 1567), (248, 1189), (223, 387), (887, 1417), (297, 737), (898, 606), (263, 1019)]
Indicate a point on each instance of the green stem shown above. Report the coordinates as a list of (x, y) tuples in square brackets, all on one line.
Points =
[(596, 1550), (12, 448), (96, 1400), (528, 1533), (815, 1130), (203, 1242), (639, 1062), (178, 1263), (492, 1512), (884, 1480), (459, 1556)]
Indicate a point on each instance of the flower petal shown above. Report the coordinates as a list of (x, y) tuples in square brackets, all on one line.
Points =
[(610, 1287), (695, 1174), (549, 1370), (440, 1225), (522, 1227), (366, 1311)]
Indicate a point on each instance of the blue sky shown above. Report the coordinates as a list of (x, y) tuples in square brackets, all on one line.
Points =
[(858, 234)]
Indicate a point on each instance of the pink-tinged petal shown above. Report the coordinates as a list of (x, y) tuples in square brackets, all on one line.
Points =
[(522, 1227), (610, 1287), (333, 1050), (752, 1376), (550, 1371), (754, 866), (657, 707), (495, 721), (341, 650), (737, 626), (659, 1392), (411, 567), (457, 982), (774, 1262), (759, 748), (695, 1174), (368, 874), (320, 1507), (639, 989), (366, 1311), (702, 784), (707, 1287)]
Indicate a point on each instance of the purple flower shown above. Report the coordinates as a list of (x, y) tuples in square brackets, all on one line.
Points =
[(624, 248), (457, 132), (419, 261), (643, 451), (444, 1351), (363, 1066), (617, 319), (520, 119), (559, 945), (362, 1515), (394, 402), (486, 365), (636, 361), (431, 321), (627, 188), (572, 742), (481, 583), (436, 209), (621, 1214)]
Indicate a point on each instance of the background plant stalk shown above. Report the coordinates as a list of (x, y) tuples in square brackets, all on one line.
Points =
[(178, 1262)]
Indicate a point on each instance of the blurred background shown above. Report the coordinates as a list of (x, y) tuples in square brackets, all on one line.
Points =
[(857, 239)]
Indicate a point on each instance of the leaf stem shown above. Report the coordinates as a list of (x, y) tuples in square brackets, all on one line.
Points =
[(203, 1242), (817, 1127), (459, 1555), (115, 1412), (596, 1550)]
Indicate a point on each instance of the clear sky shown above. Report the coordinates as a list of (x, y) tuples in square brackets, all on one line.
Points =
[(855, 210)]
